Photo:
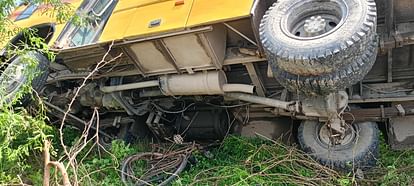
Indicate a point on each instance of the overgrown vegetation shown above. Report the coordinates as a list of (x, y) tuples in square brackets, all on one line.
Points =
[(21, 137), (238, 161), (22, 130), (243, 161), (59, 10)]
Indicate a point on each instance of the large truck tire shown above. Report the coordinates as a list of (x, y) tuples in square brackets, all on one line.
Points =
[(359, 150), (16, 75), (308, 39), (324, 84)]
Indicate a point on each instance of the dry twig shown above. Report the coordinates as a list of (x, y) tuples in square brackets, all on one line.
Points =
[(49, 164)]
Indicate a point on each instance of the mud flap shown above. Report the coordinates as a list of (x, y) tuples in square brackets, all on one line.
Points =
[(401, 133)]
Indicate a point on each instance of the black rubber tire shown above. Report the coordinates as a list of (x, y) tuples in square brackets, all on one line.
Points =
[(38, 81), (322, 54), (361, 153), (324, 84)]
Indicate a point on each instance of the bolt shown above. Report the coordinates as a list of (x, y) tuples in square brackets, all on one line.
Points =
[(314, 26)]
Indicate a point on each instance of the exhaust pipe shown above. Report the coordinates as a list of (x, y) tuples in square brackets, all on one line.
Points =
[(293, 106), (249, 89), (130, 86), (203, 83)]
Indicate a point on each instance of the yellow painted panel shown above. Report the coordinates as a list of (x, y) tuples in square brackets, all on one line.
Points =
[(58, 29), (124, 5), (36, 19), (43, 15), (211, 11), (129, 22), (117, 25)]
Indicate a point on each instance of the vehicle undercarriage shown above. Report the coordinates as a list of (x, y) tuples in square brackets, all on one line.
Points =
[(206, 82)]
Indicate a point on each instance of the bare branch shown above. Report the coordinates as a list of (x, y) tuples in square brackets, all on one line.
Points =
[(49, 164)]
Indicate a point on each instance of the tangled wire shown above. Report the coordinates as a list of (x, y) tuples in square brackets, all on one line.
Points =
[(153, 168)]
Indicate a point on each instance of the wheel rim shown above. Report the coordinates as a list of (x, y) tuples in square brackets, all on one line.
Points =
[(309, 19), (13, 76), (326, 138)]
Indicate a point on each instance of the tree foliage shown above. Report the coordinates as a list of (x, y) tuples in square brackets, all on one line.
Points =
[(23, 130), (59, 10)]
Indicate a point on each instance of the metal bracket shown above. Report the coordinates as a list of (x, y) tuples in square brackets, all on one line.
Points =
[(130, 54), (324, 107), (251, 69), (382, 112), (389, 67), (153, 122), (337, 125), (162, 47), (394, 40), (399, 40), (401, 110), (240, 34)]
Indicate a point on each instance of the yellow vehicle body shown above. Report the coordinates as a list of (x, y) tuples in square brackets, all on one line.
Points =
[(131, 18), (43, 15)]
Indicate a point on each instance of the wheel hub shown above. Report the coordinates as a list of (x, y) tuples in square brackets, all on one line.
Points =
[(13, 76), (315, 26), (330, 137), (308, 20)]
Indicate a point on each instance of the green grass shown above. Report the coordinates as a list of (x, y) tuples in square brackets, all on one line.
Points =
[(238, 161), (394, 167), (242, 161)]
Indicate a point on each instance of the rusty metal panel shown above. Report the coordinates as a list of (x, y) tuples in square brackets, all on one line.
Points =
[(404, 11), (81, 59), (401, 133), (188, 52), (150, 58)]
